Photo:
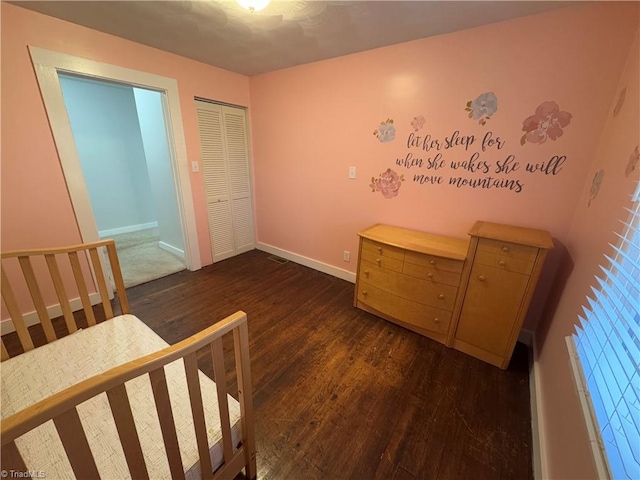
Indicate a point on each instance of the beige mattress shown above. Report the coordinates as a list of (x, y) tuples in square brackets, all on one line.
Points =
[(35, 375)]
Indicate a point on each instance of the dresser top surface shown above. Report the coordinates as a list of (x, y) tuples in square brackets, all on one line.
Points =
[(510, 233), (422, 242)]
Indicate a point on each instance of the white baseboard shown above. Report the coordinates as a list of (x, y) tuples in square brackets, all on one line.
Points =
[(127, 229), (526, 337), (308, 262), (171, 249), (54, 311), (540, 466)]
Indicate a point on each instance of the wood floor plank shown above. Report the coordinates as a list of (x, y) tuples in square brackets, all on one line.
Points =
[(340, 393)]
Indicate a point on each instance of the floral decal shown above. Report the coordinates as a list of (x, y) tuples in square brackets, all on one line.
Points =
[(417, 123), (483, 107), (386, 132), (547, 122), (595, 186), (632, 164), (620, 102), (388, 183)]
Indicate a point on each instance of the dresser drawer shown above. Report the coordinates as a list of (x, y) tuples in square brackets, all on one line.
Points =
[(436, 263), (410, 288), (383, 250), (429, 318), (381, 261), (504, 262), (508, 250), (431, 274)]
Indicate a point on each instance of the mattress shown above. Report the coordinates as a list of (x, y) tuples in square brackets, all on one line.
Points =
[(39, 373)]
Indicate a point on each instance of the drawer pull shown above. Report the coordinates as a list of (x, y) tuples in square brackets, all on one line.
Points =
[(436, 320), (441, 297), (505, 249), (432, 262), (380, 250), (364, 292), (366, 272), (378, 261), (501, 263), (481, 278), (429, 275)]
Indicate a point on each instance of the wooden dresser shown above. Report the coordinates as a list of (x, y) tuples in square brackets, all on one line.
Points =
[(410, 278), (470, 295), (505, 264)]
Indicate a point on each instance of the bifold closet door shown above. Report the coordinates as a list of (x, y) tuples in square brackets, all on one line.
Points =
[(225, 168)]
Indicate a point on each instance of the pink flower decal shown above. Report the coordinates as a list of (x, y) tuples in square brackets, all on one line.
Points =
[(595, 185), (388, 183), (417, 123), (620, 102), (632, 164), (547, 122)]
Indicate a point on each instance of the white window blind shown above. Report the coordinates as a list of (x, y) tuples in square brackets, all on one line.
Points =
[(608, 348)]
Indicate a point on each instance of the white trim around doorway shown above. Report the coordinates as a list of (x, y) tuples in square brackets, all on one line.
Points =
[(47, 64)]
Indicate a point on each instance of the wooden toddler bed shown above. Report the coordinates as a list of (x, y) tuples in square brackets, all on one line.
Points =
[(114, 400)]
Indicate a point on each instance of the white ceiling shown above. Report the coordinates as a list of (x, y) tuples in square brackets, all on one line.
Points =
[(286, 33)]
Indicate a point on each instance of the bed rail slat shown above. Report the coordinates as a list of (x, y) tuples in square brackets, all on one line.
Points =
[(217, 354), (14, 311), (82, 288), (243, 372), (123, 417), (167, 425), (61, 292), (195, 395), (102, 286), (5, 354), (117, 277), (75, 444), (11, 458), (36, 295)]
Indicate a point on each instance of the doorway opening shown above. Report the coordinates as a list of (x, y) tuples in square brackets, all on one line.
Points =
[(48, 65), (121, 140)]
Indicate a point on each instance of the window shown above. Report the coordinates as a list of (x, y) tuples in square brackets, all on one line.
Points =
[(606, 356)]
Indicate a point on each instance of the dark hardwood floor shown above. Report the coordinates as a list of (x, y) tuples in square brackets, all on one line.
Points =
[(341, 394)]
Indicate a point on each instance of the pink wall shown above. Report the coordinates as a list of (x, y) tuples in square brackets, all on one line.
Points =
[(310, 123), (36, 209), (588, 239)]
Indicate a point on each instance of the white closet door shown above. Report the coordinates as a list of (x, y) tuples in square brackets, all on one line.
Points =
[(225, 167), (235, 130), (214, 171)]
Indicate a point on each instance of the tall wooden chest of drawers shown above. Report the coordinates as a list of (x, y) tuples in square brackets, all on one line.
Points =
[(410, 278), (505, 264)]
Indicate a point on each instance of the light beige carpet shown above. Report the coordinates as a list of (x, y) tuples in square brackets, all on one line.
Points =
[(142, 260)]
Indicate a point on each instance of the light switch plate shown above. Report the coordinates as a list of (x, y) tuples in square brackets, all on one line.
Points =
[(352, 172), (195, 167)]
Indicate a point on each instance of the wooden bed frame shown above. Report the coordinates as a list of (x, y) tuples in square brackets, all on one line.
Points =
[(62, 407)]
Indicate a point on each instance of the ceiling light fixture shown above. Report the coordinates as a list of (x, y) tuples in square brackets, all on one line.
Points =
[(253, 5)]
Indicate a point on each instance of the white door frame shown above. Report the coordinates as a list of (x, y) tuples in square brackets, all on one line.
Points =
[(47, 64)]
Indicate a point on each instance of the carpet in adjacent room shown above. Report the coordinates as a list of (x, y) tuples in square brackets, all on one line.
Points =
[(142, 260)]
